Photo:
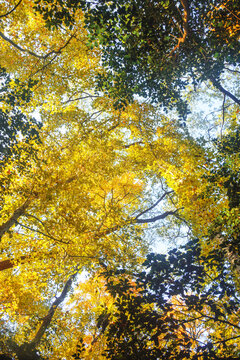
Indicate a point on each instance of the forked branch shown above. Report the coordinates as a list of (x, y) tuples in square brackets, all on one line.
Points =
[(185, 31), (155, 204), (43, 57)]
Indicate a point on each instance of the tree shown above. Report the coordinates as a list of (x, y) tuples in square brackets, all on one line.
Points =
[(82, 202), (182, 305), (71, 207), (224, 173), (157, 49), (57, 62), (80, 197)]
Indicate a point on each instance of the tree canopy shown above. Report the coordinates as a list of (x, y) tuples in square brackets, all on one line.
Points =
[(183, 306), (100, 157), (157, 49)]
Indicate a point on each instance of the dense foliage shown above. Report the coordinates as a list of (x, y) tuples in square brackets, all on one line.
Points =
[(13, 123), (156, 49), (173, 309), (108, 169)]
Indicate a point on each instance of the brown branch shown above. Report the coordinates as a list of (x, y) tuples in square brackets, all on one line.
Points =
[(185, 31), (13, 219), (10, 263)]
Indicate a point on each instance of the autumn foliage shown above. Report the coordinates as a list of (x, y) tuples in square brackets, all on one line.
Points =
[(102, 155)]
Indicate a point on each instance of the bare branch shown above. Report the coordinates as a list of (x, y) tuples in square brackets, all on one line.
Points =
[(224, 91), (155, 204), (156, 218)]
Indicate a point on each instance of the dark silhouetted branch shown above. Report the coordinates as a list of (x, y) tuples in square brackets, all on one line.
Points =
[(10, 11), (156, 218)]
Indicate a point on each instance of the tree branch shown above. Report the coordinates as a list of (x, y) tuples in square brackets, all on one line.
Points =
[(13, 219), (231, 70), (223, 114), (219, 320), (48, 318), (224, 91), (42, 233), (155, 204), (185, 31), (10, 263), (134, 143), (86, 96), (226, 340), (156, 218), (44, 57), (10, 11)]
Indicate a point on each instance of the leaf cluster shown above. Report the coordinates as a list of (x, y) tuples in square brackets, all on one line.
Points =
[(13, 122), (157, 49), (175, 309)]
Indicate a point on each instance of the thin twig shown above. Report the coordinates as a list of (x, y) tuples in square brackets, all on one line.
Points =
[(231, 70), (44, 57), (223, 114), (40, 232)]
